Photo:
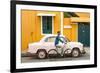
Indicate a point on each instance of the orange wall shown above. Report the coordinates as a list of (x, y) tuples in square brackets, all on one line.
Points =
[(28, 27), (70, 33), (67, 31), (74, 32)]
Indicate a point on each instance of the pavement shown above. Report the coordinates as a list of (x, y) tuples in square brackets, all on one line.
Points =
[(26, 59)]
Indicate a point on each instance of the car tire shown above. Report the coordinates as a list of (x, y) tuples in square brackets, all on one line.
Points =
[(41, 54), (75, 52)]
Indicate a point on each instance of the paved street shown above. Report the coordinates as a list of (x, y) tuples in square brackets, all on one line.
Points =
[(33, 59)]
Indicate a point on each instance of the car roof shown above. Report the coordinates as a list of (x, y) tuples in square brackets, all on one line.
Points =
[(51, 35)]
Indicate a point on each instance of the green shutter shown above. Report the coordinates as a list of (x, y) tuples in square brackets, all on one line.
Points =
[(47, 24)]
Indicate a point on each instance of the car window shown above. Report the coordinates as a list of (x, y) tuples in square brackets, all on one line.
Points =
[(50, 39)]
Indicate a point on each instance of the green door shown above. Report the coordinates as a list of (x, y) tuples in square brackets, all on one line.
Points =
[(84, 33)]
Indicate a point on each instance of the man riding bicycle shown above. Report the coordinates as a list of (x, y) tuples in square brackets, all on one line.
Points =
[(59, 46)]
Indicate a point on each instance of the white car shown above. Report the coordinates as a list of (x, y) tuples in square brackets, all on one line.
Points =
[(46, 47)]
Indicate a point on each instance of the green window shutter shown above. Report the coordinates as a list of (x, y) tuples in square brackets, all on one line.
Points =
[(47, 24)]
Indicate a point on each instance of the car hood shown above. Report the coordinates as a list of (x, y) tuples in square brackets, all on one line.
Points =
[(75, 43)]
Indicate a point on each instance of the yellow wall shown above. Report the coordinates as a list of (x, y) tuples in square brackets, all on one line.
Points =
[(70, 33), (67, 31), (28, 26), (83, 17), (74, 32)]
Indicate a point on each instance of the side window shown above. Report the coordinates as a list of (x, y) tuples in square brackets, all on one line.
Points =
[(50, 39)]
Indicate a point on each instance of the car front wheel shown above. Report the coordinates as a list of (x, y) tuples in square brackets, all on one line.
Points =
[(75, 52), (41, 54)]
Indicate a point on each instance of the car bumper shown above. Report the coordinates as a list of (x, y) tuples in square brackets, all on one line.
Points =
[(83, 52)]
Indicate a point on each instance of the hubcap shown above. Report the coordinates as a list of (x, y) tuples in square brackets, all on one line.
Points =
[(75, 53), (42, 54)]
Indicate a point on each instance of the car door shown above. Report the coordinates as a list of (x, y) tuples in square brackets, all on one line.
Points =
[(49, 43)]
